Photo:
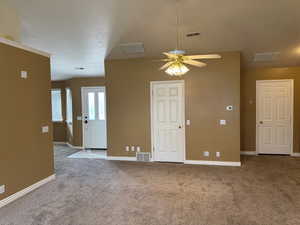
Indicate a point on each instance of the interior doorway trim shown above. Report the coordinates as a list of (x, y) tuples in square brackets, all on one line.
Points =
[(152, 83), (291, 81), (82, 114)]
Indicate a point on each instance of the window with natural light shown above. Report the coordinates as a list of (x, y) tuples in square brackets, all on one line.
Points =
[(101, 105), (56, 105), (69, 109)]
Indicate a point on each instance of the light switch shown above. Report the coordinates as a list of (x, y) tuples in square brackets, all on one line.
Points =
[(132, 148), (45, 129), (24, 74), (2, 189), (223, 122), (138, 148), (79, 118), (188, 122)]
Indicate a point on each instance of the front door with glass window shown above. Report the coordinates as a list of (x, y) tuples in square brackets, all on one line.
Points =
[(94, 117)]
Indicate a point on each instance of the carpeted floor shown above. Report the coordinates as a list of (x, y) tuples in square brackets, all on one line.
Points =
[(264, 191)]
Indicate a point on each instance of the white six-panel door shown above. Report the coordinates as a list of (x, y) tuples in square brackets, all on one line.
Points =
[(94, 117), (274, 114), (168, 136)]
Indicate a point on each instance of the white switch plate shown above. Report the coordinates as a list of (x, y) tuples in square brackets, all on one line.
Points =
[(45, 129), (2, 189), (24, 74), (206, 154), (138, 148), (188, 122), (218, 154), (127, 148), (132, 148), (222, 122)]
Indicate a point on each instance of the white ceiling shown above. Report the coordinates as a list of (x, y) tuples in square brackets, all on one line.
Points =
[(81, 33)]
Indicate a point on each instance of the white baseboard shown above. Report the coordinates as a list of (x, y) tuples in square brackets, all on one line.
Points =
[(121, 158), (295, 154), (248, 153), (212, 163), (25, 191), (75, 147)]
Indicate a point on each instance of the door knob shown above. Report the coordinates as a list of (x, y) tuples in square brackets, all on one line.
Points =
[(85, 121), (179, 127)]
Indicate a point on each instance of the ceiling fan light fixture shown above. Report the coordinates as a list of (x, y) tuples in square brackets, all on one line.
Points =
[(177, 69)]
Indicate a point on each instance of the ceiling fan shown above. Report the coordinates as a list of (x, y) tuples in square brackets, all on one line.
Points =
[(176, 59)]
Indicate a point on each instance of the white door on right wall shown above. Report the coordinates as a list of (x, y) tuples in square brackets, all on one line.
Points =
[(274, 116)]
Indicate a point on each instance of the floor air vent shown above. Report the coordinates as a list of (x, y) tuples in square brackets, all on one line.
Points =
[(143, 156)]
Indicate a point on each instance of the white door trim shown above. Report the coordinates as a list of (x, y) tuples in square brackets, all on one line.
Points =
[(82, 116), (292, 112), (152, 83)]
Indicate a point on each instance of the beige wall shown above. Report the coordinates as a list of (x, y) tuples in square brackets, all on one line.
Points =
[(208, 91), (9, 21), (248, 106), (26, 152), (59, 128)]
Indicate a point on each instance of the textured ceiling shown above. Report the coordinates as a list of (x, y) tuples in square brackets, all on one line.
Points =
[(81, 33)]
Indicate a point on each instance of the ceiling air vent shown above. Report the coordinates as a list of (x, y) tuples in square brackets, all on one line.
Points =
[(132, 48), (266, 56)]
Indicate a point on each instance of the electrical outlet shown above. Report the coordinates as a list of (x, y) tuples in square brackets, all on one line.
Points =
[(218, 154), (223, 122), (138, 148), (132, 148), (24, 74), (206, 153), (45, 129), (2, 189), (127, 148), (188, 122)]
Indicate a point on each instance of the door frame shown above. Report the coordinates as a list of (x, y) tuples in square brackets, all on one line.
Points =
[(292, 112), (82, 116), (152, 83)]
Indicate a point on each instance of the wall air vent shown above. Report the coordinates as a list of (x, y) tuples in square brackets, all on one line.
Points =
[(143, 156), (132, 48), (266, 56)]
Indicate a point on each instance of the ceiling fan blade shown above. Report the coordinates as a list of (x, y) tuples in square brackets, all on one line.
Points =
[(195, 63), (161, 60), (170, 55), (211, 56), (166, 65)]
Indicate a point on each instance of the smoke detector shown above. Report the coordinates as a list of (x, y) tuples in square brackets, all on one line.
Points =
[(266, 56)]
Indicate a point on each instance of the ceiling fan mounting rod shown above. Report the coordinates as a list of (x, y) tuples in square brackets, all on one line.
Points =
[(177, 24)]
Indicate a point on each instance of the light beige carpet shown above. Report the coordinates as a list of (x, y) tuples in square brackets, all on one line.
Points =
[(264, 191)]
